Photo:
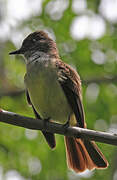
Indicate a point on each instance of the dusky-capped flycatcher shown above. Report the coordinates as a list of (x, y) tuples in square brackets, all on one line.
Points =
[(53, 90)]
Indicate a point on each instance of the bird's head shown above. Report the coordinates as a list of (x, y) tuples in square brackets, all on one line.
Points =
[(37, 43)]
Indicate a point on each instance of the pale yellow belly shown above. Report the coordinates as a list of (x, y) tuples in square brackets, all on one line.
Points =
[(47, 95)]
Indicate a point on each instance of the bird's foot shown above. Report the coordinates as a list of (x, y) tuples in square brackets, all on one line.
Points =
[(46, 120), (65, 126)]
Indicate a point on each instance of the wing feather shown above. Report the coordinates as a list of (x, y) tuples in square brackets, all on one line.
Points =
[(50, 138), (71, 85)]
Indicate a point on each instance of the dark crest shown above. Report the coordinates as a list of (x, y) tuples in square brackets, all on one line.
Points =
[(38, 41)]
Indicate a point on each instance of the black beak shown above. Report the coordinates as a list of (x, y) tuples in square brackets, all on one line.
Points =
[(16, 52)]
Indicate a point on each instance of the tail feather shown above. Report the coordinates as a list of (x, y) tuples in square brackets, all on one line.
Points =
[(74, 155), (89, 164), (95, 154), (82, 155)]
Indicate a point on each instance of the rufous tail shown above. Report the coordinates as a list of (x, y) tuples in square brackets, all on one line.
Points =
[(83, 154)]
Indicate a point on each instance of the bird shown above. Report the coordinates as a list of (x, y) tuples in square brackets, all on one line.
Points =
[(53, 89)]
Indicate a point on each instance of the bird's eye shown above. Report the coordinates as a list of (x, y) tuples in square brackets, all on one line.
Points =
[(34, 40)]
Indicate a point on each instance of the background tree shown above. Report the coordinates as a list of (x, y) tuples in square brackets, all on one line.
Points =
[(85, 33)]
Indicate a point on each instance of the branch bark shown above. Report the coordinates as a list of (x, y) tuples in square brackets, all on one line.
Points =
[(36, 124)]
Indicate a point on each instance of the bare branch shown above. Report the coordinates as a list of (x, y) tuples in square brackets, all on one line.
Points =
[(36, 124), (12, 93), (98, 80)]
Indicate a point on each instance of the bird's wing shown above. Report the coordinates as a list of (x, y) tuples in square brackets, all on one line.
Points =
[(71, 85), (50, 138)]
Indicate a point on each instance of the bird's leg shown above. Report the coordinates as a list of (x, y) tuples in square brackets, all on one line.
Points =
[(46, 120), (66, 125)]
